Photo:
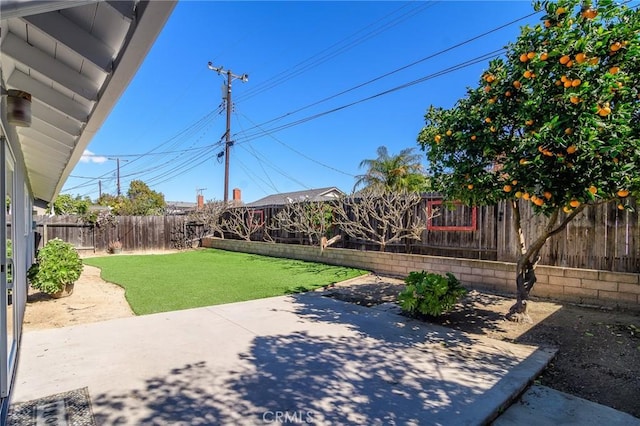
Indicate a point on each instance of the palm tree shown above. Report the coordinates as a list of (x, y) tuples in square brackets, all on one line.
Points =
[(402, 172)]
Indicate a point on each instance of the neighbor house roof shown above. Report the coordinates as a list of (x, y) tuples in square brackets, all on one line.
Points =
[(320, 194), (75, 58)]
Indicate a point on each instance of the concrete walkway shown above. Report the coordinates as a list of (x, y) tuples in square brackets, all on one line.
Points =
[(306, 357)]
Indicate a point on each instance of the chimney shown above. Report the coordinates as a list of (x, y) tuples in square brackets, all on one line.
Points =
[(200, 201), (237, 196)]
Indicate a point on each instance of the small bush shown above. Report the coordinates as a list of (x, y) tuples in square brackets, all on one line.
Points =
[(57, 265), (430, 294)]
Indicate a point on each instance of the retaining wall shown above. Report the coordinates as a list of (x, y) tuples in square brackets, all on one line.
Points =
[(587, 286)]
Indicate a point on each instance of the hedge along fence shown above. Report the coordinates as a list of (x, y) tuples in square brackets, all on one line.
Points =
[(600, 288)]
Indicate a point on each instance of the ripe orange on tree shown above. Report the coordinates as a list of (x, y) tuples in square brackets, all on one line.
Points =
[(589, 13), (566, 209), (581, 58), (574, 203), (616, 46), (507, 188), (449, 133), (564, 59), (547, 195), (544, 56), (517, 84), (614, 70), (571, 149), (576, 82), (470, 186), (531, 55), (593, 190), (604, 110), (524, 57), (437, 138), (575, 100), (623, 193)]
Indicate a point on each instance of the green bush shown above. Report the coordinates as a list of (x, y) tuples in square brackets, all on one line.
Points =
[(430, 294), (57, 265)]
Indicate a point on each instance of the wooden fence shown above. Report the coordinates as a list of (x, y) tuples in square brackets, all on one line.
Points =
[(136, 233), (602, 237)]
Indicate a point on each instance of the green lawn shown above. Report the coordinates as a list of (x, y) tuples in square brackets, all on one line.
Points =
[(169, 282)]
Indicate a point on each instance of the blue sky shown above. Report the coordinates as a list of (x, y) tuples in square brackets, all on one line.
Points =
[(168, 126)]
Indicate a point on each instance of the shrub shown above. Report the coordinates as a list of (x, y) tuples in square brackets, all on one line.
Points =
[(429, 293), (57, 265)]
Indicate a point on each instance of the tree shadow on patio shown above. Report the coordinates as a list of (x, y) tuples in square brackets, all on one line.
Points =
[(361, 367)]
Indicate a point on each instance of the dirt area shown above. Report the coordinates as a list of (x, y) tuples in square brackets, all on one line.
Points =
[(598, 354), (93, 300), (598, 350)]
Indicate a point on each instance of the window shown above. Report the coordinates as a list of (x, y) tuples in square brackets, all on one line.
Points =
[(451, 216)]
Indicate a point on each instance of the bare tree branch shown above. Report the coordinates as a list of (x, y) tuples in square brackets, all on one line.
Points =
[(381, 218), (210, 216), (242, 222), (312, 219)]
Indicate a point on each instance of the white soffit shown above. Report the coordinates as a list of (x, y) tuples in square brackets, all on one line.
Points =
[(76, 58)]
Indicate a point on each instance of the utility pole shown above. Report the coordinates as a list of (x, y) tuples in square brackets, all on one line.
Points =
[(228, 142), (117, 159), (99, 189)]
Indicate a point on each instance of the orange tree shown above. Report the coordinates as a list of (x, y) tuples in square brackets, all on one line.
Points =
[(554, 123)]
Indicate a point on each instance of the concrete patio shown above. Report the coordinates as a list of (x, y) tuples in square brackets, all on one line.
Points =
[(304, 356)]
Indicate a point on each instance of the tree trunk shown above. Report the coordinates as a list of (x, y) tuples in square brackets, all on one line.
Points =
[(526, 278)]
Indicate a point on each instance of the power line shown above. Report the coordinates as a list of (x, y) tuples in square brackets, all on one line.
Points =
[(320, 57), (181, 151), (178, 138), (277, 169), (272, 184), (412, 64), (482, 58), (249, 173), (298, 152)]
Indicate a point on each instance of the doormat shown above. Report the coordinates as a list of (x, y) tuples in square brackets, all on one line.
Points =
[(71, 408)]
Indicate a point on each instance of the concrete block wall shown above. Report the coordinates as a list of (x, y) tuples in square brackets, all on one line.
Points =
[(588, 286)]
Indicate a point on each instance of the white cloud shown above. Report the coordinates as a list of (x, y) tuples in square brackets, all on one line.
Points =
[(90, 157)]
